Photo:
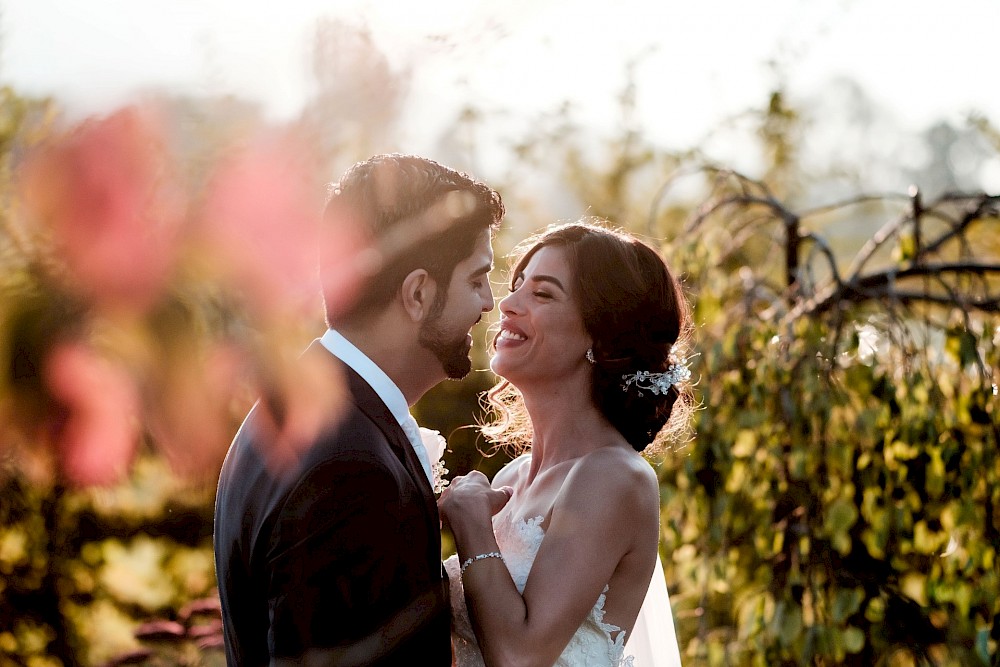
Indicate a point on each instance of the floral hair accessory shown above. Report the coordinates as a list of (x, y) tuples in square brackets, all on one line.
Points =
[(658, 383)]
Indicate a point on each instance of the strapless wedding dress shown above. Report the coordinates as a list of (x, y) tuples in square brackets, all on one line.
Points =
[(594, 644)]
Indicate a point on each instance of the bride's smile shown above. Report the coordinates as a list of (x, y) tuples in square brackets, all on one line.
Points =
[(507, 333), (542, 336)]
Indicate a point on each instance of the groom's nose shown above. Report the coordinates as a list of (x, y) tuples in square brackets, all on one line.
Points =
[(488, 301)]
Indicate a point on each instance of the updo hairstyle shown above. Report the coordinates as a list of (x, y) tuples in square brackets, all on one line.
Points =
[(636, 313)]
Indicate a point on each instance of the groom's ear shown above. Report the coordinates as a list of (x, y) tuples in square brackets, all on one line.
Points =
[(417, 294)]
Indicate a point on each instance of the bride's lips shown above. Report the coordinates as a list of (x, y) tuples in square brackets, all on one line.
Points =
[(508, 336)]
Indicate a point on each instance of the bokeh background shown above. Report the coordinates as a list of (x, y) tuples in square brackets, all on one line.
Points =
[(824, 175)]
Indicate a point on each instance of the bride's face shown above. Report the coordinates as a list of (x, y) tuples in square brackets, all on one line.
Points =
[(541, 330)]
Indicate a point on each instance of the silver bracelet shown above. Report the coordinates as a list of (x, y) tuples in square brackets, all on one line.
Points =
[(470, 561)]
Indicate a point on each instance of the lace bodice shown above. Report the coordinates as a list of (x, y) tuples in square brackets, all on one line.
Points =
[(595, 643)]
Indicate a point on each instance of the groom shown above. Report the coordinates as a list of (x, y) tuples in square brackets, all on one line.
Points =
[(339, 561)]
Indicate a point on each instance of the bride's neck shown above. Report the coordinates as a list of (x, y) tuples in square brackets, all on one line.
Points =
[(565, 425)]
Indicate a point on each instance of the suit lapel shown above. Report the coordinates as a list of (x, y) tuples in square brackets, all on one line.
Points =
[(369, 402), (380, 414)]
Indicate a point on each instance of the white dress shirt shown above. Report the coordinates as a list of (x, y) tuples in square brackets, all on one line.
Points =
[(386, 389)]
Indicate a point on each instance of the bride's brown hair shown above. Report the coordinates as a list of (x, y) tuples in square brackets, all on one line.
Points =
[(639, 320)]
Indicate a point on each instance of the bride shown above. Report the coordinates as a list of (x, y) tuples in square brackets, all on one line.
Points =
[(558, 555)]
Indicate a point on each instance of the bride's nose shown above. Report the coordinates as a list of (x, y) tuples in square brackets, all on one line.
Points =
[(508, 304)]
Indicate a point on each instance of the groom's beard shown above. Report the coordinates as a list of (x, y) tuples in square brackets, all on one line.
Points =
[(452, 350)]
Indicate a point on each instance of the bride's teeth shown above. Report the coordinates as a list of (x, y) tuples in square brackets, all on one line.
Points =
[(510, 334)]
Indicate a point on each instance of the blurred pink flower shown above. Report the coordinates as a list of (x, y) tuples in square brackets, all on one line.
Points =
[(301, 399), (262, 216), (96, 439), (191, 418), (262, 222), (107, 194)]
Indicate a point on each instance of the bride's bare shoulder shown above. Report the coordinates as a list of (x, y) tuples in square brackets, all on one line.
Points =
[(616, 470)]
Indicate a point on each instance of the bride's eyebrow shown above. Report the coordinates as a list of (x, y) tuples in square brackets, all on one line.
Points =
[(543, 278)]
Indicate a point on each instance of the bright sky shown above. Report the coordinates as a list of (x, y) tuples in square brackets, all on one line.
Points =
[(703, 59)]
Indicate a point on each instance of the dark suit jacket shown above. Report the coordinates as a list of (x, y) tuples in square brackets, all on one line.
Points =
[(338, 563)]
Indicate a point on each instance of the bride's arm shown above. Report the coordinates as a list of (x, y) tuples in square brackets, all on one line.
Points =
[(599, 519)]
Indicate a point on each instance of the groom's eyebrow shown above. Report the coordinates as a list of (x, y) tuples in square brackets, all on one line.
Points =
[(482, 270)]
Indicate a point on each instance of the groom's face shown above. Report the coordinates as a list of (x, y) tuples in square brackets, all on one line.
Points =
[(468, 295)]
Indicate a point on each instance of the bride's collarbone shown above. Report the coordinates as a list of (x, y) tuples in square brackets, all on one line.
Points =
[(544, 480), (542, 475), (535, 497)]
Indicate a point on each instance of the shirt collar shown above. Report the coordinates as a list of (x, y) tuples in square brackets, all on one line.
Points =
[(386, 389)]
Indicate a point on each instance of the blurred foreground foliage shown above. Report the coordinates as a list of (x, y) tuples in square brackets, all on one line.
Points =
[(838, 504), (148, 297)]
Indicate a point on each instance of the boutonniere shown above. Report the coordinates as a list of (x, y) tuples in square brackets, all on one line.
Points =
[(435, 444)]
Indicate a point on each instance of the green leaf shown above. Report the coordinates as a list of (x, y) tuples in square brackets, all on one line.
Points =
[(961, 345), (745, 444), (787, 622), (840, 516), (854, 639), (846, 602), (983, 644), (875, 611), (907, 248)]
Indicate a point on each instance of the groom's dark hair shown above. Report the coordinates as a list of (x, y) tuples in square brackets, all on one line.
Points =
[(415, 213)]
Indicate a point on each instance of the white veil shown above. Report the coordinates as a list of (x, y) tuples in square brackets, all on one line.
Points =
[(653, 642)]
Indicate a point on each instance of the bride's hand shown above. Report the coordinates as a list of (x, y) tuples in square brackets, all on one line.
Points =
[(470, 497)]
